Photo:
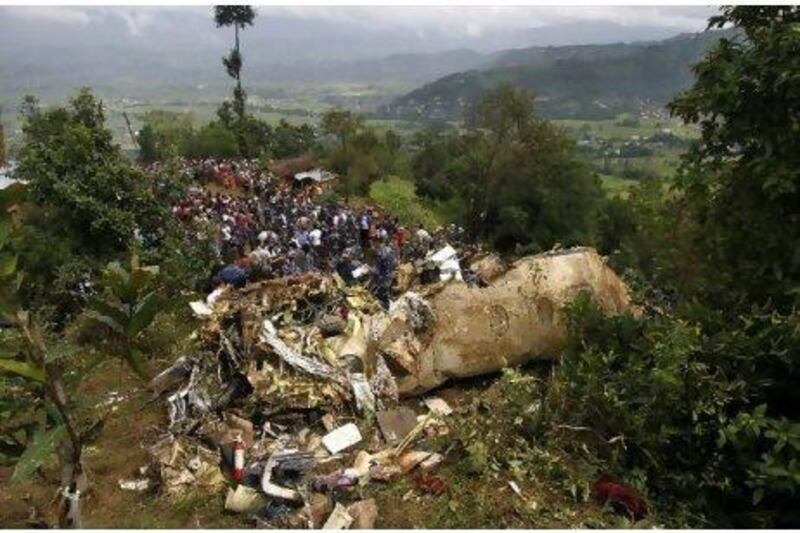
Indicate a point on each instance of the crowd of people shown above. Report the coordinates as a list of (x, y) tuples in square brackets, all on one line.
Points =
[(269, 227)]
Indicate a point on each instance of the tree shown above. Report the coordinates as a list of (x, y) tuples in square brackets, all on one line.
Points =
[(72, 166), (704, 388), (239, 17), (517, 175), (38, 369), (288, 140), (148, 144), (740, 179), (341, 123)]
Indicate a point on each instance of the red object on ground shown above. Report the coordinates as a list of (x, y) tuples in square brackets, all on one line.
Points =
[(606, 490), (238, 459), (430, 484)]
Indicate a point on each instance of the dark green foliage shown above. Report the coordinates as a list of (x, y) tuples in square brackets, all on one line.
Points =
[(233, 114), (128, 305), (702, 389), (517, 174), (240, 16), (148, 144), (290, 141), (360, 155), (212, 140), (85, 204), (173, 134), (71, 166), (741, 178), (704, 407)]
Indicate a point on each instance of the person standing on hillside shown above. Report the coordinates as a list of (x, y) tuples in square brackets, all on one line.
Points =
[(383, 278)]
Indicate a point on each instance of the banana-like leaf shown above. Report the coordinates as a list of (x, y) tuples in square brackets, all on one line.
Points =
[(23, 369), (144, 313), (5, 230), (8, 305), (136, 362), (12, 195), (141, 277), (8, 265), (107, 320), (119, 281), (117, 312), (44, 443)]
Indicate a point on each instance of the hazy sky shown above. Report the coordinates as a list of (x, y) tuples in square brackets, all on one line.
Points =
[(464, 20)]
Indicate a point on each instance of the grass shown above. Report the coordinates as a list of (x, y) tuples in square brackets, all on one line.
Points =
[(398, 196), (612, 129), (615, 186)]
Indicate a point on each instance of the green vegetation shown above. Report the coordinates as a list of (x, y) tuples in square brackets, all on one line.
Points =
[(516, 175), (692, 400), (398, 196), (701, 390), (127, 308), (614, 79), (615, 186)]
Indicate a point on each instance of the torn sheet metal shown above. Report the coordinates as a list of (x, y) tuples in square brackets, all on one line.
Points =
[(365, 399), (269, 335)]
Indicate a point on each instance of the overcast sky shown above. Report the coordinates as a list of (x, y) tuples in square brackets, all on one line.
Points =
[(465, 20)]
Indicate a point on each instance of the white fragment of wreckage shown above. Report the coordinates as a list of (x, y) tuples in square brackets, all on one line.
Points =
[(447, 261), (364, 513), (431, 462), (172, 376), (269, 335), (341, 438), (72, 501), (201, 309), (360, 271), (244, 500), (438, 406), (339, 518), (134, 485)]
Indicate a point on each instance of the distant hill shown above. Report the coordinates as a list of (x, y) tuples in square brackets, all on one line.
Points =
[(592, 81), (172, 54)]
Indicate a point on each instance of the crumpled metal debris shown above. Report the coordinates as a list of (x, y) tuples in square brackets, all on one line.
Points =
[(290, 362), (314, 367)]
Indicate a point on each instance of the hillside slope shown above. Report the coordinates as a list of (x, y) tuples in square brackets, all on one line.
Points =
[(592, 81)]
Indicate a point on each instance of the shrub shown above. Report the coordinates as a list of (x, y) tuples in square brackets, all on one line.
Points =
[(703, 406)]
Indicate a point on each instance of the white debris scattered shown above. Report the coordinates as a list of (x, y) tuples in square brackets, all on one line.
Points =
[(200, 309), (244, 500), (438, 406), (431, 462), (339, 518), (342, 438), (447, 261), (135, 485)]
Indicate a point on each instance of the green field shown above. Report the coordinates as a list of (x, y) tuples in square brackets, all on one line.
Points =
[(615, 186), (615, 130), (398, 196)]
